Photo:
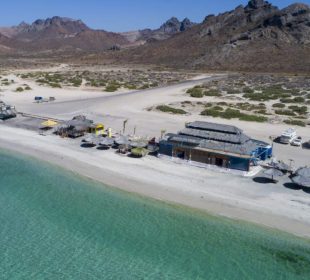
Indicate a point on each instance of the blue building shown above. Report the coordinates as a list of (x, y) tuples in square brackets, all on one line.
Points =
[(207, 143)]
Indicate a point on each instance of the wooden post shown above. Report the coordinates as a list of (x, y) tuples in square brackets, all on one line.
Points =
[(124, 125)]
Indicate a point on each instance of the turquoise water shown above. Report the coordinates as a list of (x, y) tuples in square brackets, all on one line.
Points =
[(55, 225)]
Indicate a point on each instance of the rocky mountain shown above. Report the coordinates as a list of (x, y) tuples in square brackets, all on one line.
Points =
[(257, 37), (169, 28), (59, 33)]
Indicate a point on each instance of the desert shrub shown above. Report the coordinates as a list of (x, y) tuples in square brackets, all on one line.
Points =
[(195, 92), (208, 105), (261, 112), (168, 109), (301, 110), (248, 90), (212, 92), (76, 81), (285, 112), (295, 122), (111, 87), (233, 114), (187, 102), (278, 105), (145, 86), (233, 91), (253, 118), (298, 99), (211, 113), (55, 85), (19, 89), (130, 86), (222, 103), (270, 93), (28, 88), (218, 108)]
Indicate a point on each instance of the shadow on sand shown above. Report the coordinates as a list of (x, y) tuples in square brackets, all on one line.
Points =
[(292, 186), (263, 180), (87, 145)]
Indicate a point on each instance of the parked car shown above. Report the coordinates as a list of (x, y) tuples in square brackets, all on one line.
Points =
[(288, 136), (297, 142)]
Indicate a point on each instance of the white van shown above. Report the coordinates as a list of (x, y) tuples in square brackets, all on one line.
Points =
[(288, 136)]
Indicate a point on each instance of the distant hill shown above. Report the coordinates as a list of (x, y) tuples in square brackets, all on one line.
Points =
[(59, 34), (257, 37), (168, 29)]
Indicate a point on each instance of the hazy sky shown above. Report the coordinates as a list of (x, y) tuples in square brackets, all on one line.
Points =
[(118, 15)]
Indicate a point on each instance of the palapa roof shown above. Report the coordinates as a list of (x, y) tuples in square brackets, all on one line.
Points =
[(49, 123), (217, 136), (214, 127), (209, 136)]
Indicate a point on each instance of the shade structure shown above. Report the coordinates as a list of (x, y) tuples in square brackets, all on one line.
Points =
[(273, 173), (302, 181), (138, 144), (303, 171), (49, 123), (280, 165), (90, 140), (107, 141), (139, 152), (122, 140)]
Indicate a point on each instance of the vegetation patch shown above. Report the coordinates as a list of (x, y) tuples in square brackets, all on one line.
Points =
[(295, 122), (233, 114), (168, 109)]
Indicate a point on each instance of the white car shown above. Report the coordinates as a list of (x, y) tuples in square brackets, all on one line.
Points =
[(297, 142)]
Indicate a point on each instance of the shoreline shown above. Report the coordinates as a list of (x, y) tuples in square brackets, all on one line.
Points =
[(108, 168)]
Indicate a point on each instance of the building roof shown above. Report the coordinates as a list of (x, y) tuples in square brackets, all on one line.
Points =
[(210, 138), (214, 127), (217, 136)]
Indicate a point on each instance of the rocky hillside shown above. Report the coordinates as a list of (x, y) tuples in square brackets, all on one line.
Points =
[(59, 34), (257, 37), (168, 29)]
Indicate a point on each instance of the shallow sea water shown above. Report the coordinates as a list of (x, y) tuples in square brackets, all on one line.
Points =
[(57, 225)]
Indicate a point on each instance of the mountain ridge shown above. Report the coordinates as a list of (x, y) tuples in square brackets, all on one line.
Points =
[(254, 37)]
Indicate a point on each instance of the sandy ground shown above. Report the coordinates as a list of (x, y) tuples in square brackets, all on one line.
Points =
[(274, 205)]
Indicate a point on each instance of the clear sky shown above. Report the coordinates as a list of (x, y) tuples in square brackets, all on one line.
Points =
[(118, 15)]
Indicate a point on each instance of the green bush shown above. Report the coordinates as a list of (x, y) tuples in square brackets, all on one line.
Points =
[(295, 122), (111, 88), (130, 86), (233, 91), (298, 99), (301, 110), (285, 112), (55, 85), (248, 90), (233, 114), (28, 88), (145, 86), (195, 92), (218, 108), (168, 109), (211, 113), (212, 92), (278, 105), (19, 89)]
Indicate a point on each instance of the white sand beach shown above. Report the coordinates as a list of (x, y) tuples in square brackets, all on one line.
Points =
[(271, 205)]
